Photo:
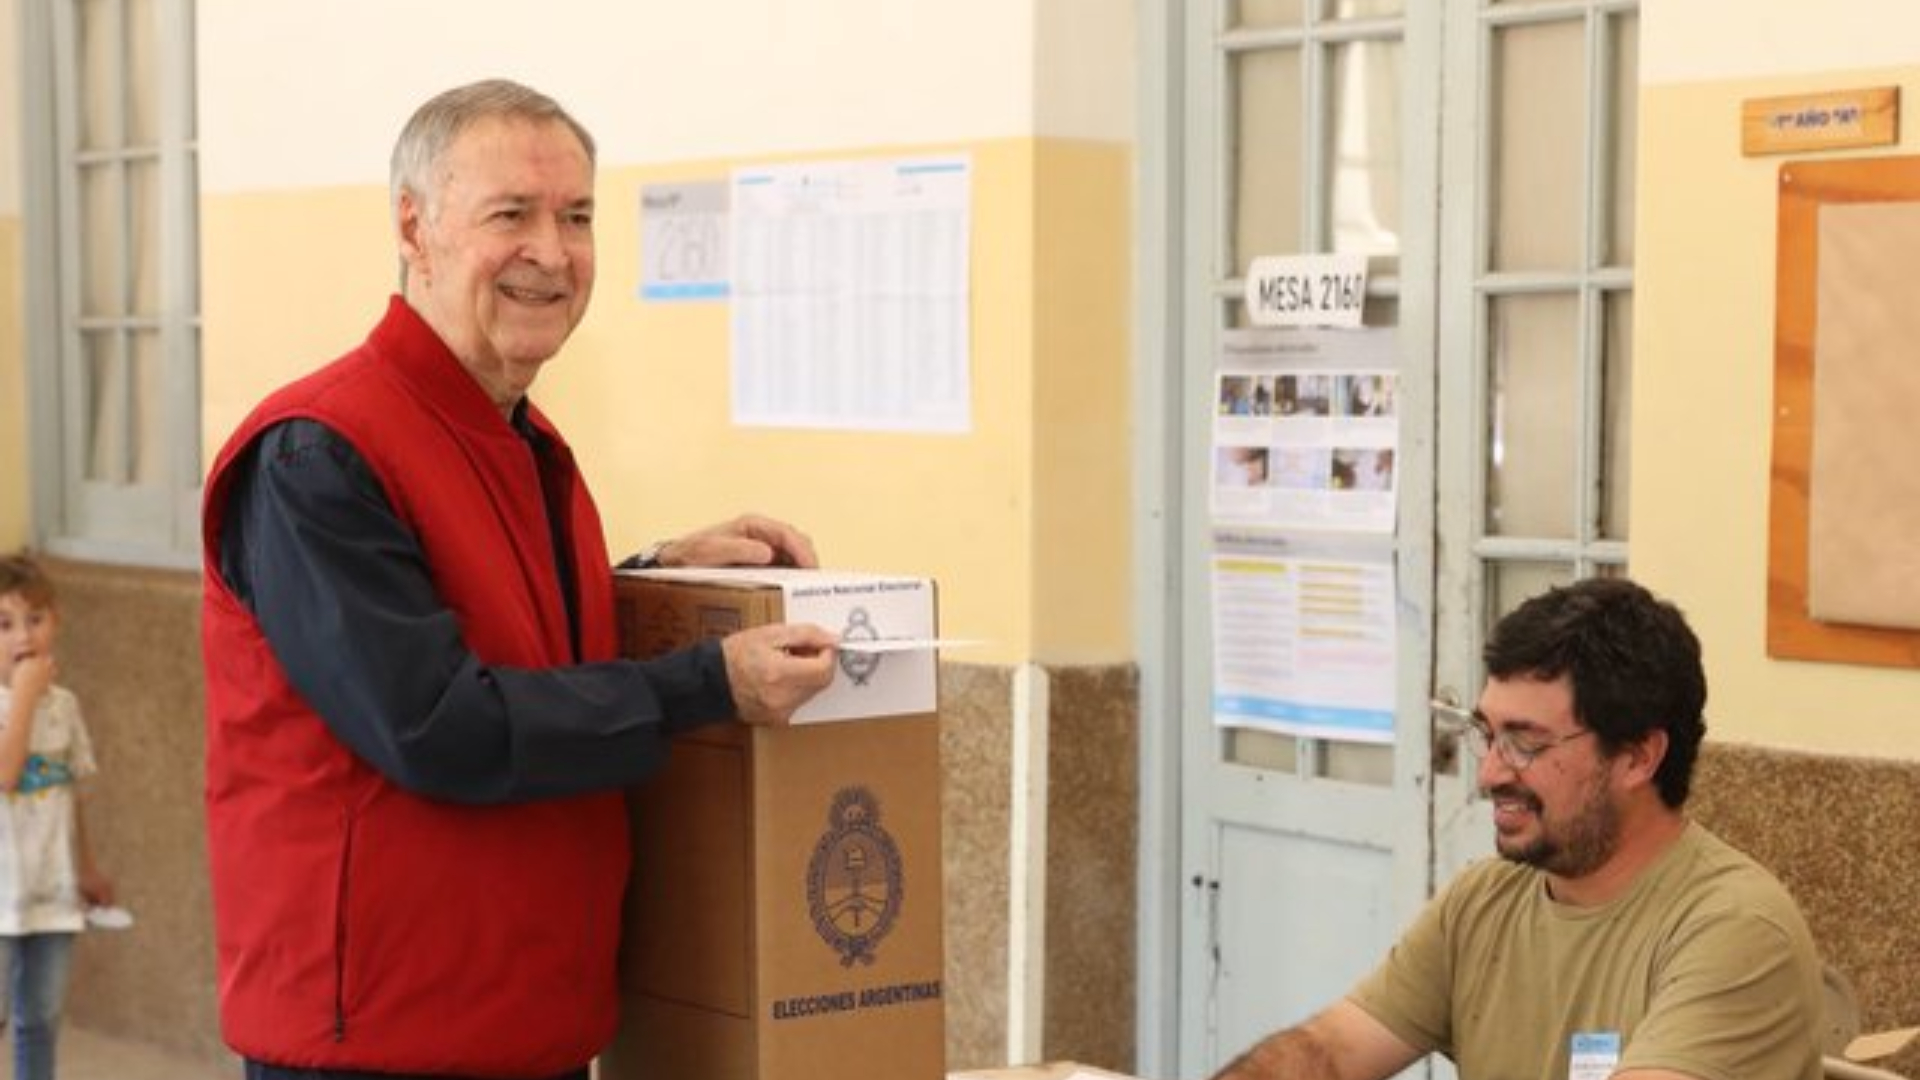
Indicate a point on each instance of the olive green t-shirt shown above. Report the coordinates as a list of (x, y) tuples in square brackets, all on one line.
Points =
[(1704, 967)]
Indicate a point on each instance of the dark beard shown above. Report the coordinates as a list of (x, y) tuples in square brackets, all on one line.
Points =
[(1590, 839)]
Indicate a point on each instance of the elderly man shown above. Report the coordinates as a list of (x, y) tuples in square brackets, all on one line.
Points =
[(418, 728)]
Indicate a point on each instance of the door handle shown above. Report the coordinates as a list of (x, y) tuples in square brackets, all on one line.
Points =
[(1448, 718)]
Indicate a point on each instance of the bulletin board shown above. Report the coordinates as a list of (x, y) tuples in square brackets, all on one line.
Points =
[(1843, 581)]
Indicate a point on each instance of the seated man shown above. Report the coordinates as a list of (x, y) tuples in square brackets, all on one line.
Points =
[(1614, 937)]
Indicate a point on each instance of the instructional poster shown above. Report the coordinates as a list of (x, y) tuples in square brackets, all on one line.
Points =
[(1304, 646), (1306, 430)]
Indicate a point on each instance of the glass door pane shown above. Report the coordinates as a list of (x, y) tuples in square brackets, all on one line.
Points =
[(1539, 146), (1267, 151)]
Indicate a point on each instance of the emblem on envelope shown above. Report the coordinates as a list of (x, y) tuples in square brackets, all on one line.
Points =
[(859, 666)]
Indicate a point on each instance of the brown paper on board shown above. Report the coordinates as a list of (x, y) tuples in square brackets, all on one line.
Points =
[(1863, 533)]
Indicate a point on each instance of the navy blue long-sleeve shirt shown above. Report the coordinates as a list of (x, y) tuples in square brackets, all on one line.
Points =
[(341, 589)]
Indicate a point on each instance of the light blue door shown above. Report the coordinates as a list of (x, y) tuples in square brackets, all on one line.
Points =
[(1479, 155)]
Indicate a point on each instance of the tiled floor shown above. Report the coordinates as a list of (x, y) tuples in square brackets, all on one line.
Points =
[(88, 1055)]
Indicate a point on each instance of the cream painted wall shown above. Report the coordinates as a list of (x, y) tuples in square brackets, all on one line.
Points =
[(297, 262), (1703, 343), (10, 108), (657, 82), (1703, 40), (14, 489), (1081, 92)]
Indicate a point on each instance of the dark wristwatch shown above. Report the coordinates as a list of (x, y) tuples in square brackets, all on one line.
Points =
[(648, 559)]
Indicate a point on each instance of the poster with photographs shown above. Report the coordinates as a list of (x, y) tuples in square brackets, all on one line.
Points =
[(1306, 430)]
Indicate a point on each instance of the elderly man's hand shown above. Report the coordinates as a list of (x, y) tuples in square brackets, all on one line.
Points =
[(748, 540), (774, 670)]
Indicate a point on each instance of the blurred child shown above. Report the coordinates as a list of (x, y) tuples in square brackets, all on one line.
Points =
[(47, 875)]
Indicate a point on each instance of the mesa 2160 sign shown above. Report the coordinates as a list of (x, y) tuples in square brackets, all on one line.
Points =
[(1307, 290)]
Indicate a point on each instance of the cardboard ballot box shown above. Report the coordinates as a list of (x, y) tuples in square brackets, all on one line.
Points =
[(784, 917)]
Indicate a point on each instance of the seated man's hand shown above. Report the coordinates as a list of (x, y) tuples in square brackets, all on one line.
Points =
[(748, 540), (774, 670)]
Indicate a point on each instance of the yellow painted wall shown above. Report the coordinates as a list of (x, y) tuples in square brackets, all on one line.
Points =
[(1082, 607), (289, 280), (294, 278), (1702, 431)]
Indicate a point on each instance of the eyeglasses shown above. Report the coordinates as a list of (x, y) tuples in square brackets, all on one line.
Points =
[(1480, 736)]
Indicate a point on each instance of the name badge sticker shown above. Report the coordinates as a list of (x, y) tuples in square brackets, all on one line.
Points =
[(1594, 1055)]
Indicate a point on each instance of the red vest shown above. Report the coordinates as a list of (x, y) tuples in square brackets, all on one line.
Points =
[(360, 926)]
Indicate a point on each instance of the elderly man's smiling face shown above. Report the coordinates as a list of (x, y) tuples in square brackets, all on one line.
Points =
[(500, 255)]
